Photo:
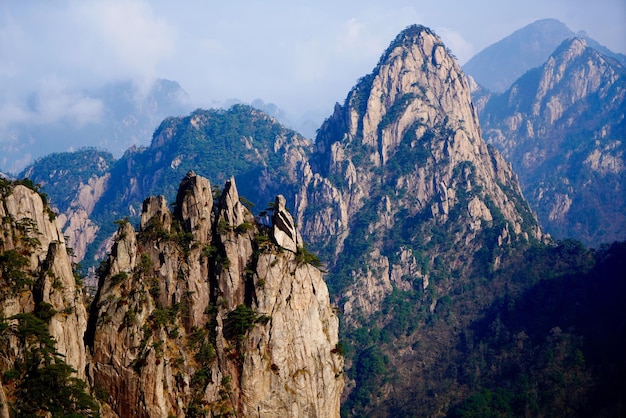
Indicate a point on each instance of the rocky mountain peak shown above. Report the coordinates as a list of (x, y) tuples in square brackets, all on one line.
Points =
[(404, 156), (194, 205), (524, 49), (415, 81), (573, 72), (42, 316), (285, 232)]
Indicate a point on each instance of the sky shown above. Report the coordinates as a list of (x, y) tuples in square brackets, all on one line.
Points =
[(302, 56)]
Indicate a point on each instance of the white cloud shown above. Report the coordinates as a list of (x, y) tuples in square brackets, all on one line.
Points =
[(54, 102), (124, 37), (459, 46)]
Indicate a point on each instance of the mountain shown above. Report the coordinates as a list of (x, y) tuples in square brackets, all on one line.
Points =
[(202, 310), (206, 311), (74, 182), (452, 300), (243, 142), (113, 117), (63, 174), (404, 165), (401, 197), (499, 65), (411, 208), (42, 319), (562, 127)]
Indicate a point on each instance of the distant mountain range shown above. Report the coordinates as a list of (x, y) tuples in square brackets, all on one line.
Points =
[(499, 65), (562, 125)]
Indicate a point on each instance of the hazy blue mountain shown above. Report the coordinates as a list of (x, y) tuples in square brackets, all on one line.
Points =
[(500, 64), (112, 117), (562, 126)]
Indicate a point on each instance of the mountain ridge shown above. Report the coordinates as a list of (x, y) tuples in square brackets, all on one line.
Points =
[(497, 66), (566, 147), (428, 241), (202, 310)]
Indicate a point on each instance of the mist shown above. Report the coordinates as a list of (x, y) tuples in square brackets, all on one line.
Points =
[(302, 58)]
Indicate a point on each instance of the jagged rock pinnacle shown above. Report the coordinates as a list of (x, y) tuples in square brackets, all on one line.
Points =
[(285, 232)]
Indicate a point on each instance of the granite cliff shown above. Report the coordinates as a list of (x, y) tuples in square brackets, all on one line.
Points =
[(404, 182), (42, 312), (74, 183), (202, 310)]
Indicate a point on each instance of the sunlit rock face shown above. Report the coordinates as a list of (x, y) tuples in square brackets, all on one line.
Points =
[(401, 157), (203, 311), (37, 275)]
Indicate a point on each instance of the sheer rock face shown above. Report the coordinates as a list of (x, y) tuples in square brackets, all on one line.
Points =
[(74, 183), (28, 230), (549, 125), (194, 204), (405, 152), (199, 312), (284, 231)]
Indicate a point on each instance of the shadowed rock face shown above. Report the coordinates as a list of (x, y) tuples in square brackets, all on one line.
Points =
[(201, 312)]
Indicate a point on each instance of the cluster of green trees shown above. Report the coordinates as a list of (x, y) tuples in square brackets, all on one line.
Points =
[(43, 382), (541, 336)]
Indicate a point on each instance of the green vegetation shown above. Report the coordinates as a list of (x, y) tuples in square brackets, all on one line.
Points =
[(60, 174), (13, 271), (304, 256), (238, 322), (537, 337), (43, 382)]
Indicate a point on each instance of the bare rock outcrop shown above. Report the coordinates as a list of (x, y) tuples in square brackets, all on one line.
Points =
[(568, 150), (76, 221), (200, 312), (284, 231), (37, 276)]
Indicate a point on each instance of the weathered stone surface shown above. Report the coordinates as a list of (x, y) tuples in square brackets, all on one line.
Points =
[(285, 231), (194, 203), (27, 228), (234, 225), (569, 151), (163, 341), (156, 214), (406, 144), (75, 222), (305, 376), (4, 405)]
